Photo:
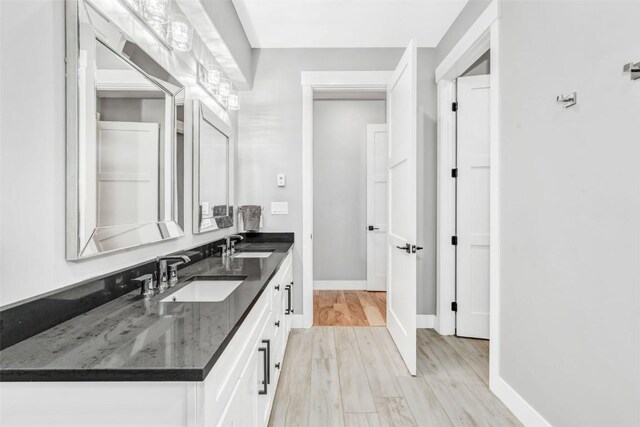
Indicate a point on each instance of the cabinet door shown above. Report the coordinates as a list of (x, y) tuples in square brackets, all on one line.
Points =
[(249, 387), (231, 416)]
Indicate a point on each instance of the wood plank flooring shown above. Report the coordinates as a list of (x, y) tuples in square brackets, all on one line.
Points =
[(349, 308), (354, 376)]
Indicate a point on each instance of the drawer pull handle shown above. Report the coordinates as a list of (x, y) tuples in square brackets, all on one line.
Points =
[(264, 390), (288, 310)]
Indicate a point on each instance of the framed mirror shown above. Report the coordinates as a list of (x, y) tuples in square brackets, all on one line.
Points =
[(122, 132), (212, 160)]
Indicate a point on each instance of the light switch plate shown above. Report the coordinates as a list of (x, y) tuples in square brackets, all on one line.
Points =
[(204, 208), (282, 180), (279, 208)]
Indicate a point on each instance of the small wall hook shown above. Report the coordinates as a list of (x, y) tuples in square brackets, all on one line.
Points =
[(633, 69), (568, 100)]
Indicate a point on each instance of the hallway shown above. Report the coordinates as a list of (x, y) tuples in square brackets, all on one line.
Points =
[(350, 376), (349, 308)]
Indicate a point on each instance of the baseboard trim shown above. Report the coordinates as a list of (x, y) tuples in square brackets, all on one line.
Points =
[(517, 405), (426, 321), (297, 321), (339, 285)]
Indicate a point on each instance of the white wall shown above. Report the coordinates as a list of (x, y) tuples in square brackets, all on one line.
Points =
[(570, 210), (340, 186), (32, 166), (270, 132)]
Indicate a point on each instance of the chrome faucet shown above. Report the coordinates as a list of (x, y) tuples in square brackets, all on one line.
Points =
[(229, 247), (162, 270)]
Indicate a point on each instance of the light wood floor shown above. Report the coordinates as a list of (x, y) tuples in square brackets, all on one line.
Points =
[(346, 376), (349, 308)]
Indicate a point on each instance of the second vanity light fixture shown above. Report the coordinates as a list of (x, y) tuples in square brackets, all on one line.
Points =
[(173, 30), (212, 78)]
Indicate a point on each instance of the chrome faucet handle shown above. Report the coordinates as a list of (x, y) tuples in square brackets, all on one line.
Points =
[(223, 250), (146, 285), (173, 273), (163, 273)]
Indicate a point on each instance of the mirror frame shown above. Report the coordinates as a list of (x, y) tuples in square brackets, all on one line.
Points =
[(202, 113), (168, 217)]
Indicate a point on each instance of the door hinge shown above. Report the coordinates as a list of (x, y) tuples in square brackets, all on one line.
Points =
[(454, 106), (454, 240), (454, 306), (454, 173)]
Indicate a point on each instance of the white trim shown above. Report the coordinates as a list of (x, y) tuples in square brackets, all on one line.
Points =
[(517, 405), (494, 208), (426, 321), (337, 80), (318, 80), (472, 44), (297, 321), (307, 205), (445, 209), (339, 285)]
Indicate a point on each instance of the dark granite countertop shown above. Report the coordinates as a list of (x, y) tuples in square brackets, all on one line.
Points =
[(130, 339)]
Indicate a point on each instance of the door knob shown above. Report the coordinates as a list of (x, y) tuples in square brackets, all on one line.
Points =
[(371, 228), (415, 248), (406, 248)]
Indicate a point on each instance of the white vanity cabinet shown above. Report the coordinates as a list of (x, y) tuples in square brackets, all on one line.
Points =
[(229, 396), (241, 387)]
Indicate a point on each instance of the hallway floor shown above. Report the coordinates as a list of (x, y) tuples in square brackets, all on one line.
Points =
[(346, 376), (349, 308)]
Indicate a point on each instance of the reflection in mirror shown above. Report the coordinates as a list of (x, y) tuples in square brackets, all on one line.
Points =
[(122, 137), (213, 208)]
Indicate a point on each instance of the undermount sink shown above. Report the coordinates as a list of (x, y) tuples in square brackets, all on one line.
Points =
[(205, 289), (250, 254)]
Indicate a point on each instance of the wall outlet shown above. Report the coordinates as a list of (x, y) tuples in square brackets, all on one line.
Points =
[(282, 180), (279, 208)]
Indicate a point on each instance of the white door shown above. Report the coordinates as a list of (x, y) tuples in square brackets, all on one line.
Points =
[(377, 207), (402, 206), (472, 252), (128, 154)]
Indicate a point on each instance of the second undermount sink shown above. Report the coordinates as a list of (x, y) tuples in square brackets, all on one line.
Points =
[(205, 289), (250, 254)]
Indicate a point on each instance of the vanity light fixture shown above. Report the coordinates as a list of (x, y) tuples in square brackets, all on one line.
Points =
[(224, 88), (155, 11), (173, 31), (179, 33), (233, 101), (211, 77), (214, 74)]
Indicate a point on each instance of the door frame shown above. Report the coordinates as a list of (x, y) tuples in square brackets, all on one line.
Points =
[(315, 81), (483, 35), (372, 129)]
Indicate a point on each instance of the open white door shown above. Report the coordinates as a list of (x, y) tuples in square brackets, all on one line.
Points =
[(472, 194), (402, 206), (377, 152)]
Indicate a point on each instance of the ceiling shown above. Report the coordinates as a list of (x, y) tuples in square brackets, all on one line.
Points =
[(346, 23)]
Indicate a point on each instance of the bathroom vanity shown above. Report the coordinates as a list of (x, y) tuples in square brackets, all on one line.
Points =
[(208, 358)]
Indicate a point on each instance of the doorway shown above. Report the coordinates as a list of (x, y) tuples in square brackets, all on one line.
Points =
[(349, 208)]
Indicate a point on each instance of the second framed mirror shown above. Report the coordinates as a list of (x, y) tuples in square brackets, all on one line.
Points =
[(212, 171)]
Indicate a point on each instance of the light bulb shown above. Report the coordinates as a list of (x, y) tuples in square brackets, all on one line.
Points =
[(179, 33), (156, 11), (224, 88), (233, 100)]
